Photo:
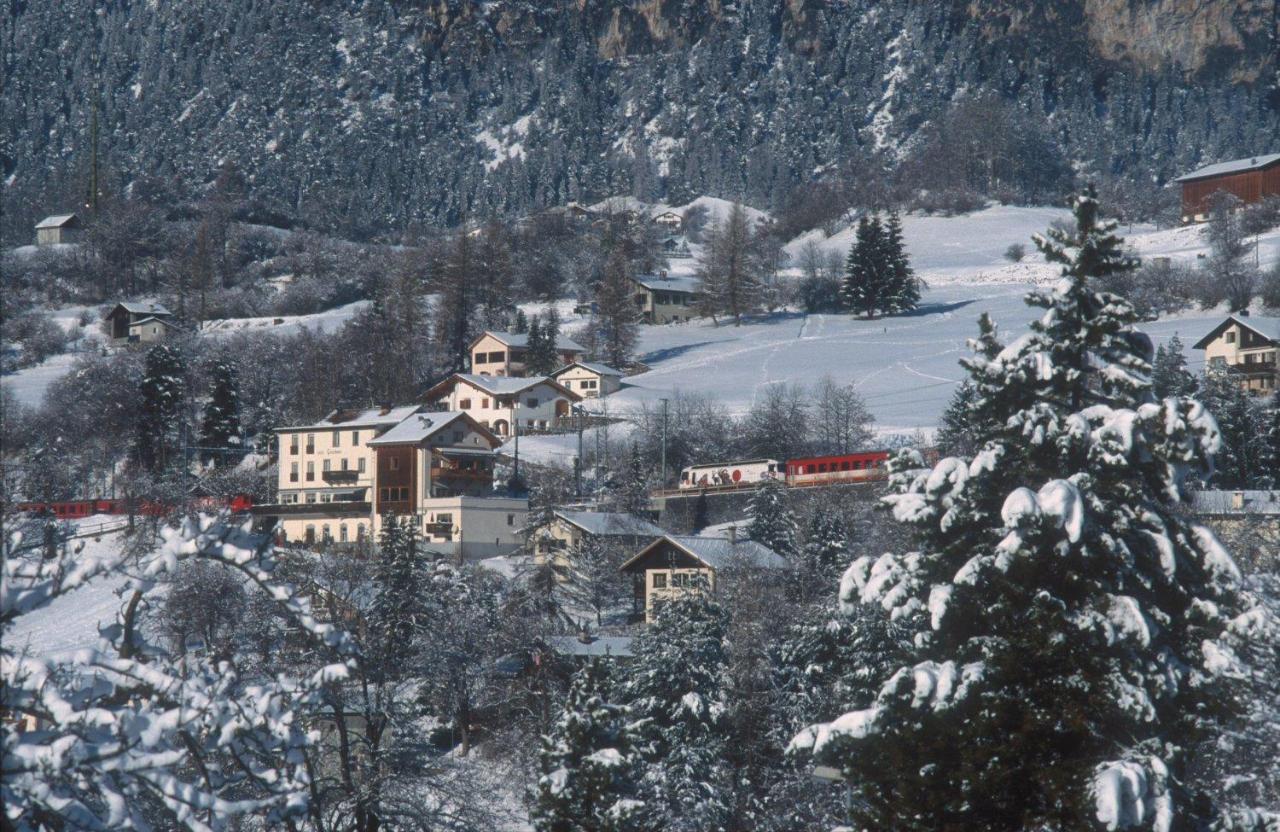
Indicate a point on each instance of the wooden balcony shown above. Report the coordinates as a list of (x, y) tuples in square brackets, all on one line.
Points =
[(340, 477)]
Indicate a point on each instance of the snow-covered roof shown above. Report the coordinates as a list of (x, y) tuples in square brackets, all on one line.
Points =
[(689, 285), (521, 339), (499, 385), (374, 417), (56, 221), (153, 309), (719, 552), (150, 319), (1234, 166), (593, 366), (607, 523), (1267, 327), (595, 646), (1236, 502), (418, 427)]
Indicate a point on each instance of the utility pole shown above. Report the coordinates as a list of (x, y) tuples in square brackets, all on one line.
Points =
[(663, 481), (515, 432), (577, 463)]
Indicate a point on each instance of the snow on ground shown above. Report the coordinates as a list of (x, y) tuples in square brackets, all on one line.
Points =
[(717, 209), (29, 384), (331, 320), (72, 622)]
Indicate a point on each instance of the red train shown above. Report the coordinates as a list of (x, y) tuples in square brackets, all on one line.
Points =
[(72, 509), (823, 470), (864, 466)]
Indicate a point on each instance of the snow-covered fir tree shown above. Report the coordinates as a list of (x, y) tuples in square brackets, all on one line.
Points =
[(1241, 428), (161, 416), (615, 319), (1169, 375), (1072, 632), (773, 523), (866, 278), (825, 554), (903, 294), (220, 427), (397, 611), (968, 422), (588, 765), (675, 691), (633, 490), (1269, 456)]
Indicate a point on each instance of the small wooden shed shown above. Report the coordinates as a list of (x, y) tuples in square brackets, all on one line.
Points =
[(57, 229)]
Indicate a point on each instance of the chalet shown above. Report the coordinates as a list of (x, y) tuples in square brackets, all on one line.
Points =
[(501, 404), (339, 477), (139, 322), (566, 530), (1251, 180), (674, 565), (669, 220), (503, 353), (664, 299), (58, 229), (1246, 346), (590, 380)]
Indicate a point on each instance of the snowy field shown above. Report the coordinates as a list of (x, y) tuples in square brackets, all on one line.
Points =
[(72, 622)]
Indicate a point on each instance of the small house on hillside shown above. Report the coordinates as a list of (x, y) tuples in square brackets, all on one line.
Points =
[(674, 565), (139, 322), (503, 353), (663, 299), (1250, 180), (567, 530), (1246, 346), (669, 220), (590, 380), (59, 228), (497, 402)]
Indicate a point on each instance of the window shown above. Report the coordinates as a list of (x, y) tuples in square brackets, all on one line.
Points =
[(311, 496), (457, 436), (311, 443), (464, 404), (293, 472), (355, 437), (384, 494), (822, 468), (337, 439), (497, 357), (326, 498), (484, 403), (311, 534), (311, 471), (344, 464), (360, 532), (342, 533), (809, 469), (394, 463), (293, 444), (445, 519), (327, 465), (844, 466), (511, 519), (659, 580), (533, 402), (324, 533), (589, 384), (1231, 337), (360, 465)]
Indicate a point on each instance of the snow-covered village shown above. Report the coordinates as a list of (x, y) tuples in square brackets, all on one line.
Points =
[(638, 416)]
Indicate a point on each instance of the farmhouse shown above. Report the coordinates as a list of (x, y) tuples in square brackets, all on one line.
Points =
[(500, 403), (674, 565), (1245, 346), (590, 380), (566, 530), (503, 353), (1251, 180), (664, 299), (669, 220), (58, 229), (139, 322)]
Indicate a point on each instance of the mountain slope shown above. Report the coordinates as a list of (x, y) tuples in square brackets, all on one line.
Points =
[(367, 115)]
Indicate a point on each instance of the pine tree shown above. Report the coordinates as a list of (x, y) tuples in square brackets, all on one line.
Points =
[(633, 496), (520, 323), (1071, 630), (397, 611), (535, 348), (773, 523), (825, 555), (1269, 458), (1169, 376), (675, 691), (730, 268), (540, 355), (615, 322), (157, 443), (221, 425), (903, 294), (1241, 428), (588, 766), (869, 280)]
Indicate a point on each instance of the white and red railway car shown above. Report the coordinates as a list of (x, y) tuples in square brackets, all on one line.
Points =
[(814, 470), (744, 474)]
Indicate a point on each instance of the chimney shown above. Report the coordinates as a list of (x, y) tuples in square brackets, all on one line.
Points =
[(662, 274), (1237, 499), (733, 535)]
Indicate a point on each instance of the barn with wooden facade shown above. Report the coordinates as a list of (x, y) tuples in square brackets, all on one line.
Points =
[(1250, 180)]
